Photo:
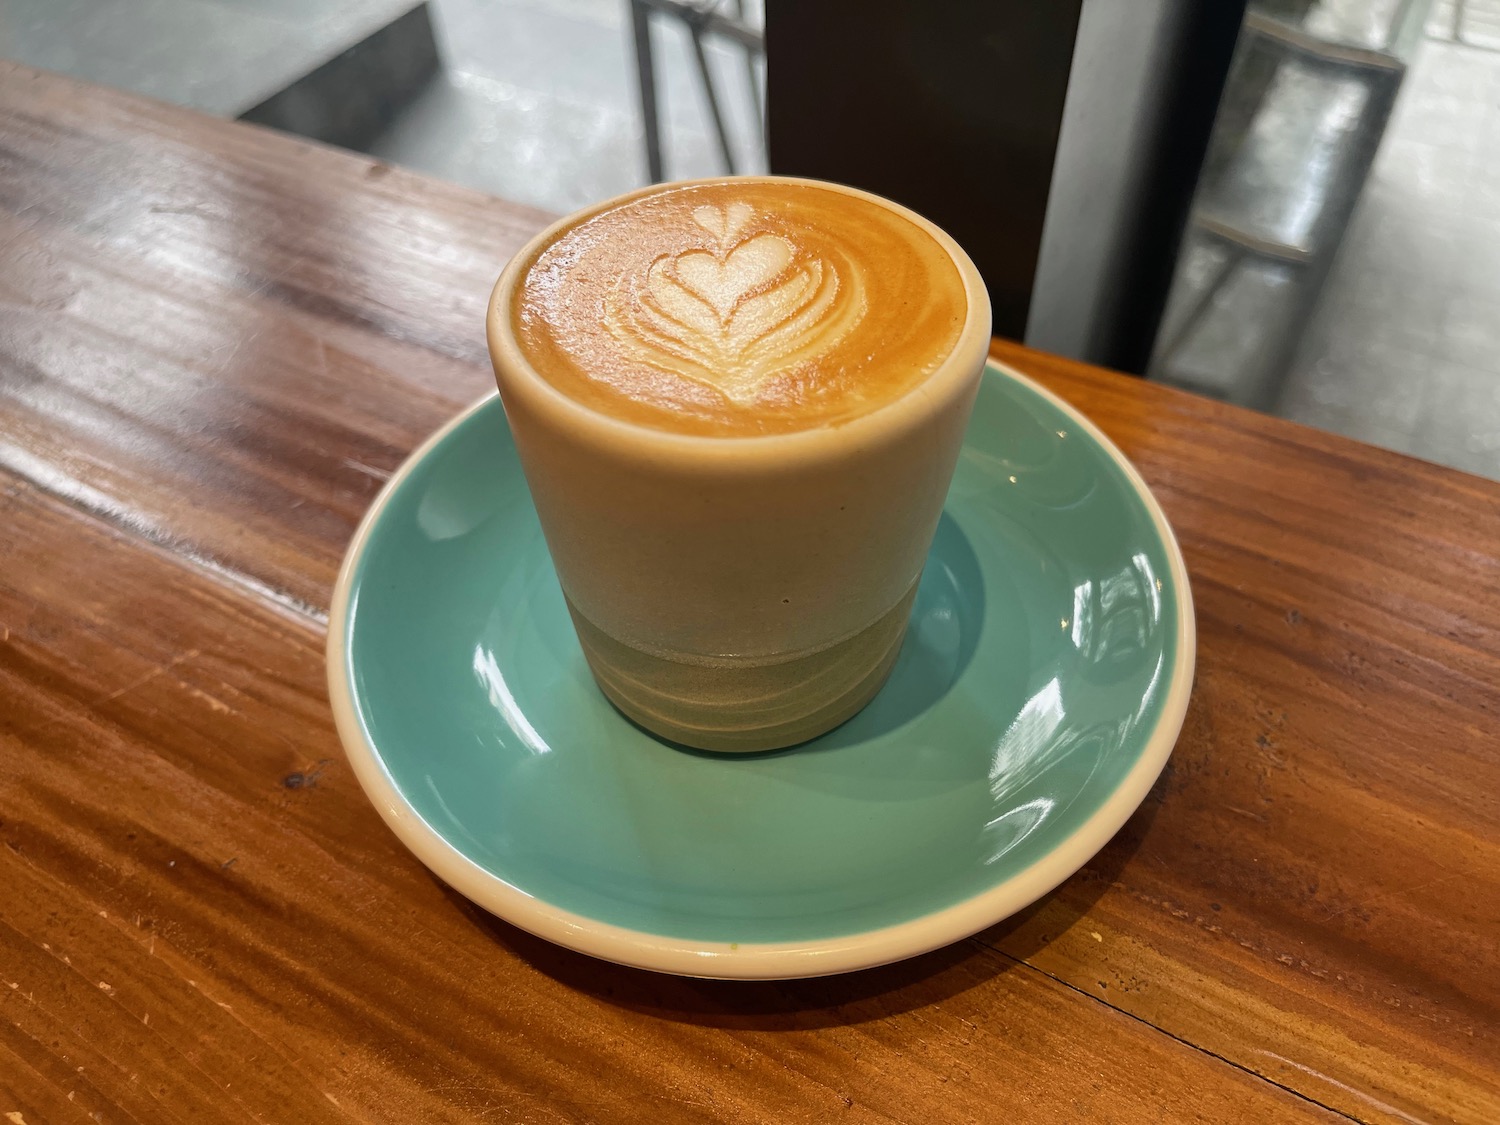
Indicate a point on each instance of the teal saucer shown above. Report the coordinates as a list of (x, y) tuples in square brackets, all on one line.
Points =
[(1040, 690)]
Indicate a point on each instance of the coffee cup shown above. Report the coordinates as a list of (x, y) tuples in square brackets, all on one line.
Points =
[(738, 404)]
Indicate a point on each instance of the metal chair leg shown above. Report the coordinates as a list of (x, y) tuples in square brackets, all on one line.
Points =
[(712, 96), (752, 80), (1200, 304), (640, 25)]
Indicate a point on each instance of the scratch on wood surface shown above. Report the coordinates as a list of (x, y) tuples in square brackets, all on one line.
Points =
[(233, 347), (368, 470), (1384, 1107), (1246, 812), (213, 701), (1394, 894), (139, 682), (197, 210)]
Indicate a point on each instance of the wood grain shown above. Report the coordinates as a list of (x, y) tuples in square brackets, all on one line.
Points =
[(206, 921), (275, 322), (215, 342), (1318, 894)]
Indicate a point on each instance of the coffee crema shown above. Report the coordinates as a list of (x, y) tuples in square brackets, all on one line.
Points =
[(740, 308)]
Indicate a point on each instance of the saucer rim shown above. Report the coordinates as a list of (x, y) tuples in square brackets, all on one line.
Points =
[(755, 960)]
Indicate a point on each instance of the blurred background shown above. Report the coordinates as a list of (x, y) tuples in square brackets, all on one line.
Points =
[(1289, 204)]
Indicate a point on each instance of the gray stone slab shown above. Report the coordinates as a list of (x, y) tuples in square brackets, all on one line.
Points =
[(221, 57), (354, 97), (538, 104)]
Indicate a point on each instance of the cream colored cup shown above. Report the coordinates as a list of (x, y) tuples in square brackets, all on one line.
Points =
[(739, 593)]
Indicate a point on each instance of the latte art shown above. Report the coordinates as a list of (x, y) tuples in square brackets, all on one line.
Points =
[(739, 307), (734, 314)]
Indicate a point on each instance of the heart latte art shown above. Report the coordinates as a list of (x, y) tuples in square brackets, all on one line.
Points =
[(741, 307), (738, 312)]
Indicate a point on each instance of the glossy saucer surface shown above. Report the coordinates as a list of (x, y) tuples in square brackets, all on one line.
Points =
[(1039, 692)]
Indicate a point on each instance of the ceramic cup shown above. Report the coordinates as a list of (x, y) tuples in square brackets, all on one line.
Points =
[(739, 593)]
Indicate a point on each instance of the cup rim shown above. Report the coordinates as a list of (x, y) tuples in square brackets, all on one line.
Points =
[(957, 372)]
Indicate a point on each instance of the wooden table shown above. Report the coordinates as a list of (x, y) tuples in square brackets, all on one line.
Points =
[(216, 342)]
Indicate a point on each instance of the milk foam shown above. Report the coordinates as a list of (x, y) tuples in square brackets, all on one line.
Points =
[(737, 312), (740, 308)]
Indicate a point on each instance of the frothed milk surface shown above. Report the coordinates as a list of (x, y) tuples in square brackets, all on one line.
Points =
[(739, 309)]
